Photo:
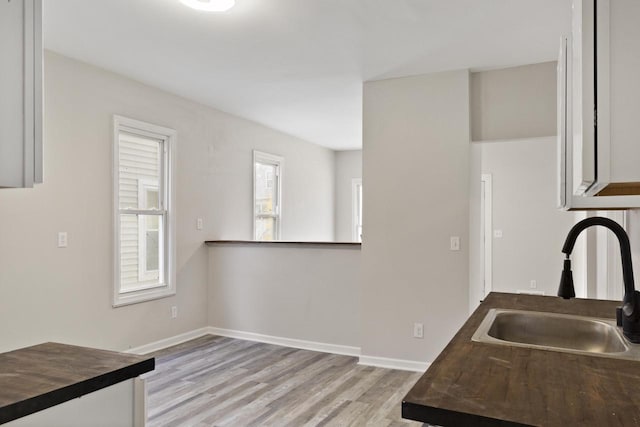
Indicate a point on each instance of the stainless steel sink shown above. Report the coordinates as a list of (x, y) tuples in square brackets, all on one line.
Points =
[(558, 332)]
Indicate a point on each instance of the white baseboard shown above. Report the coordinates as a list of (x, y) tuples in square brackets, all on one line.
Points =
[(380, 362), (168, 342), (403, 365), (287, 342)]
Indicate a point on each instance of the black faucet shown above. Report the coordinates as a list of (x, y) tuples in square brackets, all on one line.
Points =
[(629, 314)]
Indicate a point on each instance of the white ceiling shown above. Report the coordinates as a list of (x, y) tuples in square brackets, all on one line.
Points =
[(298, 65)]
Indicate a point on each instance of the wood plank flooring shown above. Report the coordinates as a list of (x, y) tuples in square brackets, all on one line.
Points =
[(217, 381)]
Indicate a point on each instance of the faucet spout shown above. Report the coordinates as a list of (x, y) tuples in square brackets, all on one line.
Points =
[(631, 300)]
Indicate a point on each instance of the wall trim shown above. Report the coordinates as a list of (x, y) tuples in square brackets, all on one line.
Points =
[(169, 342), (287, 342), (379, 362), (401, 364)]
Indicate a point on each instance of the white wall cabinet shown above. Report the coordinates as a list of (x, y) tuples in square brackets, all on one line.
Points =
[(20, 93), (599, 107)]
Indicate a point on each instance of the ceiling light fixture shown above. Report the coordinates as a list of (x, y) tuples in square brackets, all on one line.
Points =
[(210, 5)]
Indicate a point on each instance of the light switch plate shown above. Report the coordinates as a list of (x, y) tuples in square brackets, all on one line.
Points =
[(63, 239), (418, 330), (455, 243)]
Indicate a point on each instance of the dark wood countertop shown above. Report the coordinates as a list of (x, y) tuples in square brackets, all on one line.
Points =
[(482, 384), (355, 245), (44, 375)]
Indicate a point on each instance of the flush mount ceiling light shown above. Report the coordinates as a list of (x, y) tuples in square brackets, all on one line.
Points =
[(209, 5)]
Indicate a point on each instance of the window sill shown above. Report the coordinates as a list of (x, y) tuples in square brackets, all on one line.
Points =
[(128, 298)]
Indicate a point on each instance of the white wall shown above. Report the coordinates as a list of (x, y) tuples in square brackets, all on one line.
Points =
[(534, 230), (416, 170), (516, 102), (348, 167), (50, 294), (305, 292), (308, 203), (524, 209), (509, 104)]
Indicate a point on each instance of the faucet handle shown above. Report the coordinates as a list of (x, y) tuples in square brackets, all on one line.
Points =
[(619, 316)]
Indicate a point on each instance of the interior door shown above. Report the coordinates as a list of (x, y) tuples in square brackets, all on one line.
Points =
[(486, 234)]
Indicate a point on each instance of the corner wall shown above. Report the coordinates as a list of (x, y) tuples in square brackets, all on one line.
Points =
[(416, 169)]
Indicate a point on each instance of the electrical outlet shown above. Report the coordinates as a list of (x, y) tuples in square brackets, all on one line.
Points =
[(418, 330), (455, 243), (63, 239), (533, 284), (497, 234), (174, 312), (199, 224)]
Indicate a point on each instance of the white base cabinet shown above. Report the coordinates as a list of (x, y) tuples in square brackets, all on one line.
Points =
[(121, 405)]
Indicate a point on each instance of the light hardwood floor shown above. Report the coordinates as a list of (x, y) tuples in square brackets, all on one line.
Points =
[(217, 381)]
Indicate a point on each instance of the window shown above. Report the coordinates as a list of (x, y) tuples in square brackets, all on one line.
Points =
[(356, 196), (143, 211), (267, 194)]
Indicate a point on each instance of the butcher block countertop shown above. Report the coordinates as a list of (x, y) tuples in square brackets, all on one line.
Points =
[(483, 384), (44, 375)]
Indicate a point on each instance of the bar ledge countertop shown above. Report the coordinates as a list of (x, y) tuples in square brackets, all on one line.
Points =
[(481, 384), (282, 243), (41, 376)]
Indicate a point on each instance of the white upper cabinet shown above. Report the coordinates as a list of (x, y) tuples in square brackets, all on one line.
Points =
[(599, 107), (20, 93)]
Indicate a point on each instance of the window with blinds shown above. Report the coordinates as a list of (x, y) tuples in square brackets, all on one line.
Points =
[(142, 157)]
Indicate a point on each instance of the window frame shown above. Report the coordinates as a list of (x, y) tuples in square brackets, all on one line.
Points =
[(167, 211), (278, 161), (356, 214)]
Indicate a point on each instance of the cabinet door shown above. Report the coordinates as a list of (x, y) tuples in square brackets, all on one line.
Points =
[(618, 95), (586, 108), (583, 97), (567, 197), (21, 89), (12, 106)]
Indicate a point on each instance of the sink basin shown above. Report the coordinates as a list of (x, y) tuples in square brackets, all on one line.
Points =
[(559, 332)]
